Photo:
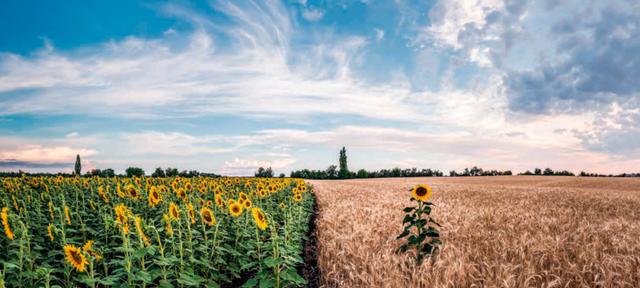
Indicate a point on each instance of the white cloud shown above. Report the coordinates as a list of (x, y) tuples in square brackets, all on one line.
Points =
[(312, 14), (246, 167), (379, 34), (43, 154)]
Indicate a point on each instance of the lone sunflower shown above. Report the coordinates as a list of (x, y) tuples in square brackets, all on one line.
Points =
[(235, 209), (207, 216), (259, 218), (297, 197), (75, 257), (421, 192)]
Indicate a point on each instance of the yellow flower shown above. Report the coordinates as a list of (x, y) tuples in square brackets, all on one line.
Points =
[(421, 192), (154, 197), (297, 197), (75, 257), (243, 197), (235, 209), (219, 200), (259, 218), (281, 206), (207, 216), (103, 195), (132, 191), (181, 194), (167, 221), (66, 215), (247, 204), (51, 210), (119, 192), (192, 213), (87, 246), (122, 218), (50, 232), (138, 223), (174, 212), (5, 222)]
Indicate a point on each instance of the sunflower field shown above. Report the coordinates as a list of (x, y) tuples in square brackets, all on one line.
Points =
[(153, 232)]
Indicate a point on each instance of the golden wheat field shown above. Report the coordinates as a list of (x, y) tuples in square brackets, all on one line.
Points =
[(512, 231)]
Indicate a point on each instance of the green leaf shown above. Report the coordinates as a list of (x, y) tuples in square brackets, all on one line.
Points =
[(408, 209), (250, 283), (190, 279), (165, 284), (266, 283), (272, 262), (404, 234), (408, 218), (293, 276)]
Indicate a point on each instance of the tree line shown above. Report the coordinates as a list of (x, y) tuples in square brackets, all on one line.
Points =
[(548, 172)]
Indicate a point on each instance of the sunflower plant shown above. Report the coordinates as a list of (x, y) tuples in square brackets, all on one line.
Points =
[(419, 228)]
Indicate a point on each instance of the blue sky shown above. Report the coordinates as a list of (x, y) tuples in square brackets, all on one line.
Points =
[(228, 86)]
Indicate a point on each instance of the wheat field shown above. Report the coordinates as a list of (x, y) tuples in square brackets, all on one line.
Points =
[(512, 231)]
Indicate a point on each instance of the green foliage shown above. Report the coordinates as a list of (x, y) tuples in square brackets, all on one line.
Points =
[(343, 173), (78, 166), (264, 173), (134, 172), (230, 252)]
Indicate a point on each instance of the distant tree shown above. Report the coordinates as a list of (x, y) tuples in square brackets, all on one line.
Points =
[(508, 172), (362, 174), (171, 172), (94, 172), (264, 173), (158, 173), (134, 171), (332, 172), (78, 167), (107, 173), (344, 170), (537, 171), (547, 171), (282, 175)]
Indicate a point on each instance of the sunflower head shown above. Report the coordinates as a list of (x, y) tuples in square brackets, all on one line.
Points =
[(75, 257), (421, 192), (132, 191), (297, 197), (235, 209), (5, 222), (174, 212), (207, 216), (154, 196), (219, 200), (247, 204), (259, 218)]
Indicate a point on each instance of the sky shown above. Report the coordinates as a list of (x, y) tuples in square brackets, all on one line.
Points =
[(229, 86)]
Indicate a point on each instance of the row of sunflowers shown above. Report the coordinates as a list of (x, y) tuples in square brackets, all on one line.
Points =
[(153, 232)]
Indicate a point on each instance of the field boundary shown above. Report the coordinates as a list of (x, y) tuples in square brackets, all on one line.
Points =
[(310, 269)]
